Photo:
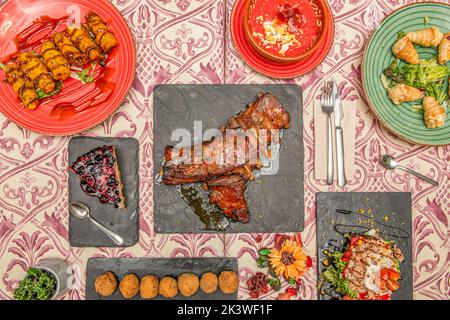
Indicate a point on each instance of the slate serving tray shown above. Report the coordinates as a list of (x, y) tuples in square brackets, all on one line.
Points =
[(159, 267), (82, 233), (395, 205), (275, 202)]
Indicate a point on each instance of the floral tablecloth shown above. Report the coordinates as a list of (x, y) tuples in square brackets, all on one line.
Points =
[(188, 41)]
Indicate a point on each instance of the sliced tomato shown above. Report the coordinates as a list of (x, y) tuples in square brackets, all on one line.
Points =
[(362, 295), (392, 285), (393, 275), (384, 297), (384, 274), (383, 284)]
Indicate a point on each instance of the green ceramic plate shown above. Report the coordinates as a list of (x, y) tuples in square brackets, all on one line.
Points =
[(404, 121)]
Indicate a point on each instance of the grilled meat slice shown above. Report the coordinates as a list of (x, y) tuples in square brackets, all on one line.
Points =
[(265, 113), (228, 193), (369, 253), (188, 165)]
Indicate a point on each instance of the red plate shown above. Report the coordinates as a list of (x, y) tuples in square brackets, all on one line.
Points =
[(270, 68), (78, 107)]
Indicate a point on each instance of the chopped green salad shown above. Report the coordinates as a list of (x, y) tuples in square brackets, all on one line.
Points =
[(428, 75), (334, 274)]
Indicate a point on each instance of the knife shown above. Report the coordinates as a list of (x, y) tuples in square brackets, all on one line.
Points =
[(338, 116)]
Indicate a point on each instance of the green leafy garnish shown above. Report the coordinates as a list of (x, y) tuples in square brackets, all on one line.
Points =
[(262, 262), (3, 66), (428, 75), (275, 284), (401, 34), (41, 94), (87, 75), (334, 274), (37, 285), (437, 91), (292, 282)]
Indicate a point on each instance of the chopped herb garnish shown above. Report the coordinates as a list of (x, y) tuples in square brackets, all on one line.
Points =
[(426, 20), (400, 35), (42, 95), (87, 75), (37, 285)]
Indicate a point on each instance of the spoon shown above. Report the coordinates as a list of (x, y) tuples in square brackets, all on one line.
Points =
[(389, 162), (82, 211)]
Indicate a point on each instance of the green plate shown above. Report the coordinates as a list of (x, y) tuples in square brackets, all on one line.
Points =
[(403, 120)]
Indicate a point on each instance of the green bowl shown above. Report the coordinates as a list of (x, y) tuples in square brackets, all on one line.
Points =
[(404, 121)]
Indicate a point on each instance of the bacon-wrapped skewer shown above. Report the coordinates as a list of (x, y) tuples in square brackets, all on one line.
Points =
[(104, 38), (68, 49), (82, 39), (22, 86), (58, 64), (33, 68)]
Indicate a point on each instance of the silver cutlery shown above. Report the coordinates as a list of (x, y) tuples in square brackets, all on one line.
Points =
[(338, 116), (82, 211), (390, 163), (326, 102)]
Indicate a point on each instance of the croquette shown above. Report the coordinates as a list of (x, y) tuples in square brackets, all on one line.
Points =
[(106, 284), (209, 282), (188, 284), (149, 287), (168, 287), (228, 282), (129, 286)]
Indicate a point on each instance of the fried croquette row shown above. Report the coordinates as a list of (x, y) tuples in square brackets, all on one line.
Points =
[(73, 46), (150, 286)]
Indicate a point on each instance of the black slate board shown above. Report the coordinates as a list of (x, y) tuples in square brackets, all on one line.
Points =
[(395, 205), (275, 202), (159, 267), (82, 233)]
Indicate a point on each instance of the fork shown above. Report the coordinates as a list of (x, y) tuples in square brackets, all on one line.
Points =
[(327, 103)]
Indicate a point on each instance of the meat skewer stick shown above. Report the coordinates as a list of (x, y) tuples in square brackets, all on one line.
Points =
[(58, 64), (36, 71), (68, 49), (82, 40), (22, 86), (104, 38)]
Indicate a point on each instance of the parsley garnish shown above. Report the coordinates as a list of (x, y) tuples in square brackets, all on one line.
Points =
[(400, 35), (87, 75), (41, 94)]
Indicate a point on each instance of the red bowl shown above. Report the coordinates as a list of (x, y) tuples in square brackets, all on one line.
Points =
[(323, 19)]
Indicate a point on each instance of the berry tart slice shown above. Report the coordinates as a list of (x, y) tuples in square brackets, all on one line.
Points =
[(100, 175)]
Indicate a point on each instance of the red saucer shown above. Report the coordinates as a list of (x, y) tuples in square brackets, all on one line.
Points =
[(270, 68)]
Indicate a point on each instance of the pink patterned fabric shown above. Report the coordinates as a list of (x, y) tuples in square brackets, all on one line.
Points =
[(187, 41)]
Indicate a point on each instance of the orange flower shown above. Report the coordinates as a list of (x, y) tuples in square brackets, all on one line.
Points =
[(290, 260)]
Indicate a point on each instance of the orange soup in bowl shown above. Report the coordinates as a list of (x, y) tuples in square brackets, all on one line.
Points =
[(284, 29)]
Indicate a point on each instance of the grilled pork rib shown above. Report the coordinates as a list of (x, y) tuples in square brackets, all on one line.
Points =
[(238, 155)]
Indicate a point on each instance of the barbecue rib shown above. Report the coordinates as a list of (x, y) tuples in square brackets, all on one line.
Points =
[(238, 155), (227, 192)]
